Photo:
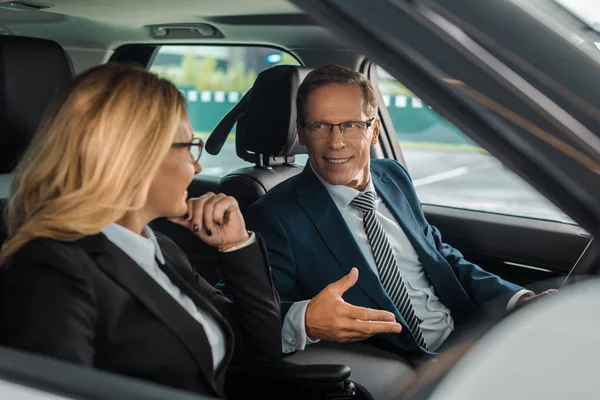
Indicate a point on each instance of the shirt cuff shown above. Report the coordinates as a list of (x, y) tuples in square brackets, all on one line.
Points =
[(513, 300), (251, 240), (293, 331)]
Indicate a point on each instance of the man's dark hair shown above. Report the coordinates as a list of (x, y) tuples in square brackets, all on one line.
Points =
[(330, 75)]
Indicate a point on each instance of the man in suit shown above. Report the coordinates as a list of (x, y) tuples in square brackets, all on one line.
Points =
[(346, 214)]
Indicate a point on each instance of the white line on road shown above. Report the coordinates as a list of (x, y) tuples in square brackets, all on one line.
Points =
[(442, 176)]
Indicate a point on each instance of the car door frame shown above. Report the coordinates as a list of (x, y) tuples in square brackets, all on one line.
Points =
[(410, 69)]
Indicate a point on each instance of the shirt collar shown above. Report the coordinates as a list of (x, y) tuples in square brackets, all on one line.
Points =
[(141, 249), (340, 194)]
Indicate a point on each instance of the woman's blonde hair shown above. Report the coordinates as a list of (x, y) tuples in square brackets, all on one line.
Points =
[(94, 156)]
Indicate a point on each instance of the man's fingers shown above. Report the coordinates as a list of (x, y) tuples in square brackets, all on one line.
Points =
[(373, 327), (368, 314), (352, 336), (340, 287)]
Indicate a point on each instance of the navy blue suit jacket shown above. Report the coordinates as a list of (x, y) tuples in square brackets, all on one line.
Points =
[(310, 246)]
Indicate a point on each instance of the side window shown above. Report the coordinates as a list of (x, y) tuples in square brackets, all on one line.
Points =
[(213, 79), (448, 169)]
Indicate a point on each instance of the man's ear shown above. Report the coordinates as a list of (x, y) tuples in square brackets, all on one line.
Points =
[(300, 132), (376, 127)]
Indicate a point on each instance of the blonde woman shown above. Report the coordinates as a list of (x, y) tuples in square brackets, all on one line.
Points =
[(87, 281)]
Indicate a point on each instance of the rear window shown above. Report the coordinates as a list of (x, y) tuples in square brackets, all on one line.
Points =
[(213, 79)]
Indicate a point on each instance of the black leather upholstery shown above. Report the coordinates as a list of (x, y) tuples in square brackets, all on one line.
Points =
[(269, 124), (248, 184), (31, 71), (266, 134)]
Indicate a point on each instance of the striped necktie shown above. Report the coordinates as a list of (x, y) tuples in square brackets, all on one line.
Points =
[(389, 273)]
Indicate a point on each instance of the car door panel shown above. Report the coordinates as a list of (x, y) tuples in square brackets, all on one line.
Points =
[(521, 250)]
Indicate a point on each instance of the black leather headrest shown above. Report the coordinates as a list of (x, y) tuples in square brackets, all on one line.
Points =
[(268, 126), (31, 71)]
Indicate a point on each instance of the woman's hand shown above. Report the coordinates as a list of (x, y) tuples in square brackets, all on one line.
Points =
[(216, 219)]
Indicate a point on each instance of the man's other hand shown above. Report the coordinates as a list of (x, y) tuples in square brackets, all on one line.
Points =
[(330, 318), (526, 299)]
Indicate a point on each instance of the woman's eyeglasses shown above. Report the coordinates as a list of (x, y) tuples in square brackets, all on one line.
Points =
[(195, 147)]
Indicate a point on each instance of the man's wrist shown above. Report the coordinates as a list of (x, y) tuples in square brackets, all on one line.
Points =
[(306, 327), (516, 299), (310, 336), (526, 297), (293, 331)]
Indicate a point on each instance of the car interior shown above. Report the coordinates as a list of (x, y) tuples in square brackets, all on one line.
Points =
[(44, 43)]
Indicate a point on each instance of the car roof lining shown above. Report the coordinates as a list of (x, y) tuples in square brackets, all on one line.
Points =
[(109, 24)]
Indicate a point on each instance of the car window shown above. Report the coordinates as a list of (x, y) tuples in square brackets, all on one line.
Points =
[(213, 79), (448, 169), (9, 390)]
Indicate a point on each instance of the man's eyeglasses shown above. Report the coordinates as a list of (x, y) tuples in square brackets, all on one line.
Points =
[(195, 147), (350, 129)]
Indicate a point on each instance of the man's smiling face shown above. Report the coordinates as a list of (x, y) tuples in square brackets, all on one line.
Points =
[(337, 159)]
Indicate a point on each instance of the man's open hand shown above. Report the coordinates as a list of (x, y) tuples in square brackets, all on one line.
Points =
[(329, 317), (526, 299)]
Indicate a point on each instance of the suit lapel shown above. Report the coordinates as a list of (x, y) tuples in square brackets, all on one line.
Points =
[(316, 201), (181, 277), (131, 276), (397, 203), (439, 272)]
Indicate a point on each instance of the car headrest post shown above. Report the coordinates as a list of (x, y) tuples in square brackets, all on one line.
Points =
[(219, 135)]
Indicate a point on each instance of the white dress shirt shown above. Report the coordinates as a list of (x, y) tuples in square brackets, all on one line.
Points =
[(144, 250), (437, 323)]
